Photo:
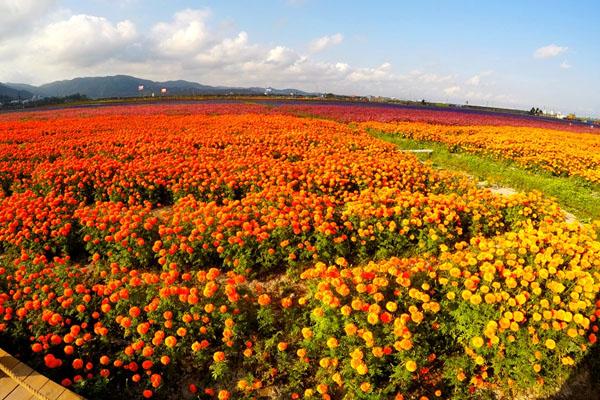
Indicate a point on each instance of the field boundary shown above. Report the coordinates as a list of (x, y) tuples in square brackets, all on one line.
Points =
[(573, 194), (19, 381)]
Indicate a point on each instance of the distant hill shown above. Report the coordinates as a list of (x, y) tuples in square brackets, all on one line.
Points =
[(8, 93), (127, 86)]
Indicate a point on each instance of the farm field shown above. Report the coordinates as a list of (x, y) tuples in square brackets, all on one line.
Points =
[(240, 251)]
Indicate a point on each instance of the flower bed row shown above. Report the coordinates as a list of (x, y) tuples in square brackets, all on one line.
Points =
[(511, 314)]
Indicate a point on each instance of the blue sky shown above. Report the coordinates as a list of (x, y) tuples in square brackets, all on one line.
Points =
[(509, 53)]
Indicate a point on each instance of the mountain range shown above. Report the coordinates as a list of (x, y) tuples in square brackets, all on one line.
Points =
[(9, 92), (128, 86)]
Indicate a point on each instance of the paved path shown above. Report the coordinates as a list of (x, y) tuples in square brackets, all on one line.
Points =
[(27, 384)]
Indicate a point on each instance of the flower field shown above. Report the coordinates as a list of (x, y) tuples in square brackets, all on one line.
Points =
[(377, 112), (559, 152), (239, 252)]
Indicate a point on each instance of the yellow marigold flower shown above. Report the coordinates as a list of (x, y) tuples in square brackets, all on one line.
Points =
[(346, 310), (477, 342), (567, 361), (492, 325), (454, 272), (488, 276), (350, 329), (341, 261), (365, 387), (373, 318), (547, 314), (375, 308), (475, 299), (391, 306), (362, 369), (417, 317), (377, 352), (551, 344), (357, 354), (282, 346), (337, 378), (322, 388), (307, 333), (406, 344), (332, 343), (367, 336), (434, 307), (411, 366)]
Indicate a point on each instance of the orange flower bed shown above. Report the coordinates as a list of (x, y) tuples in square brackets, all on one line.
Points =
[(152, 252), (561, 153)]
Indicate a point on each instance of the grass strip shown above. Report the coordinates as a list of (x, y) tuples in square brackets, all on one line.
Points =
[(574, 194)]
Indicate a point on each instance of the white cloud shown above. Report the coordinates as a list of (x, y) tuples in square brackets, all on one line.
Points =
[(549, 51), (565, 65), (186, 34), (83, 40), (342, 67), (427, 77), (452, 90), (17, 15), (381, 73), (282, 56), (228, 51), (190, 45), (475, 80), (324, 42)]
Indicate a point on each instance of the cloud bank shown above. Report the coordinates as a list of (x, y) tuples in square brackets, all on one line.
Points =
[(549, 51), (324, 42), (187, 45)]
